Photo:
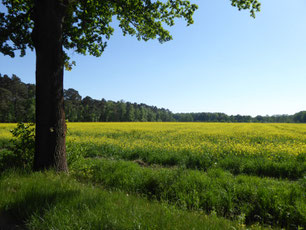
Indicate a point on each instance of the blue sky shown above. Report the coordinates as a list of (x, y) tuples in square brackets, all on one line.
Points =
[(225, 62)]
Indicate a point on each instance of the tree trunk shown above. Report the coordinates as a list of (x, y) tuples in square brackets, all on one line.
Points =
[(50, 148)]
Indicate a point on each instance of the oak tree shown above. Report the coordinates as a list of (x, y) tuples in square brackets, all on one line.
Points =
[(52, 27)]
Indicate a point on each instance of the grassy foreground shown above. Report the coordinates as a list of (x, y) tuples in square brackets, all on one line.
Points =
[(191, 174), (52, 201), (264, 200)]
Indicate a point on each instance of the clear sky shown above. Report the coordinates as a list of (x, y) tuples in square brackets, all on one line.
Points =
[(225, 62)]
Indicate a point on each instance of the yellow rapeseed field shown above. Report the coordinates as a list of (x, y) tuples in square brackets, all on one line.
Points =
[(271, 140), (5, 134), (252, 172)]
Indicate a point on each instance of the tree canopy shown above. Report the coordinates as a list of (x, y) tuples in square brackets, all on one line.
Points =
[(87, 25)]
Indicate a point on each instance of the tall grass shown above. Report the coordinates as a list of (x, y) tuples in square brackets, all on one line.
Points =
[(247, 173), (264, 200), (52, 201)]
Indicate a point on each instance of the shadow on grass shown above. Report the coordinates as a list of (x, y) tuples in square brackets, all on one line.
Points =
[(19, 213)]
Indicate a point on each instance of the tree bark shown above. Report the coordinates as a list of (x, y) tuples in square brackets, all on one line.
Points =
[(50, 147)]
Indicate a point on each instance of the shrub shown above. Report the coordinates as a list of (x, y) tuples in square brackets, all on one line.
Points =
[(23, 145)]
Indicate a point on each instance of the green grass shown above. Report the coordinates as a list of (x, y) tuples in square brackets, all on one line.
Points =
[(284, 166), (265, 200), (56, 201), (192, 175)]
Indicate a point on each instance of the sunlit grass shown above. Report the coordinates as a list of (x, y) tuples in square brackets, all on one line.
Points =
[(247, 173), (264, 200), (52, 201)]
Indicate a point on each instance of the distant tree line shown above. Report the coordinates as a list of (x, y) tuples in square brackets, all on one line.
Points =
[(17, 100), (221, 117), (17, 103), (88, 110)]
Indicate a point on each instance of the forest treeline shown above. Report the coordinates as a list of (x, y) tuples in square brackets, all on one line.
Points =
[(17, 104)]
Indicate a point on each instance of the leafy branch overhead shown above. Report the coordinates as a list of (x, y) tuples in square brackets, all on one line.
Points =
[(87, 24)]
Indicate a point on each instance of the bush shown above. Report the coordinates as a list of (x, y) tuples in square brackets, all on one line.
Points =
[(23, 145), (19, 152)]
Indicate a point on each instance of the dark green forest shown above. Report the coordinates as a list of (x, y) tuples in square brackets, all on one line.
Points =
[(17, 104)]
